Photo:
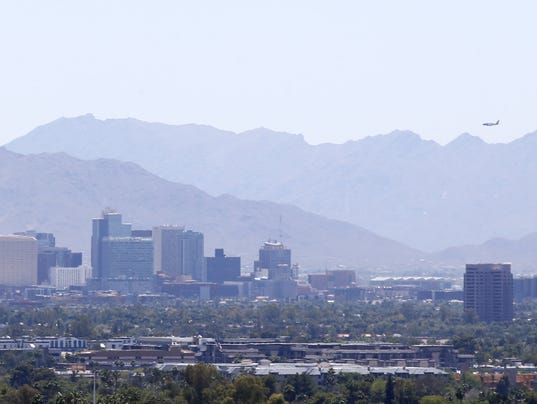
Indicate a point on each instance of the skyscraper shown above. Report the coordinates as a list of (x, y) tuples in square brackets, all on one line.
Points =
[(276, 259), (109, 225), (18, 260), (166, 248), (116, 255), (179, 252), (126, 257), (488, 290)]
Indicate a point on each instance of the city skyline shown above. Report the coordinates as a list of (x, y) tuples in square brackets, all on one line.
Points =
[(268, 202)]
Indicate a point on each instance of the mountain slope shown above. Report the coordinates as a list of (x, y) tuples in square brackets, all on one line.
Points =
[(61, 194), (398, 185), (522, 253)]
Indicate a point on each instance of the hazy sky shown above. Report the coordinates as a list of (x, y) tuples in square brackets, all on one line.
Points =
[(331, 70)]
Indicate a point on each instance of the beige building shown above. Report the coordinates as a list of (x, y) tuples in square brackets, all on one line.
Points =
[(18, 260), (165, 248)]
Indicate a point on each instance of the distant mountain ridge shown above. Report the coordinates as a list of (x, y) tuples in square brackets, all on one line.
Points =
[(521, 253), (397, 185), (61, 194)]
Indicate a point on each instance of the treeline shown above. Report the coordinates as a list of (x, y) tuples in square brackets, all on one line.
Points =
[(406, 322), (203, 384)]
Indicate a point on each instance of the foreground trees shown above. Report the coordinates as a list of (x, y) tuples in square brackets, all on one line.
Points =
[(202, 383)]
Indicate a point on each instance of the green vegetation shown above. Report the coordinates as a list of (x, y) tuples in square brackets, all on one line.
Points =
[(203, 384), (407, 322), (26, 378)]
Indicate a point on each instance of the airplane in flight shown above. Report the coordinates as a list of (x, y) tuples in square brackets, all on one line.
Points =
[(492, 123)]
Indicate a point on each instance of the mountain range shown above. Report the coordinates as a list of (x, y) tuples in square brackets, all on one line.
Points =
[(54, 192), (521, 253), (398, 185)]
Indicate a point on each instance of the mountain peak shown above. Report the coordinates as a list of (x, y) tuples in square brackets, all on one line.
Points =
[(76, 119), (465, 140), (269, 134), (396, 136), (403, 134), (401, 140)]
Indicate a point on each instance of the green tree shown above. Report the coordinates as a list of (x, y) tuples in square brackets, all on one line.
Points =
[(82, 326), (377, 391), (249, 389), (21, 375), (331, 377), (277, 398), (390, 394), (323, 397), (358, 391), (289, 392), (199, 377), (303, 385), (405, 391), (460, 393), (71, 397), (503, 387), (28, 395), (433, 400)]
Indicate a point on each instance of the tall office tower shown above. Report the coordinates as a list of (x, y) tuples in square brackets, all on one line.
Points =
[(276, 259), (110, 225), (488, 290), (18, 260), (126, 257), (221, 268), (179, 252), (44, 240), (116, 254), (166, 248)]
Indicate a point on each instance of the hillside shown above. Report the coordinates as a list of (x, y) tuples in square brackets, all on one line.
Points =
[(61, 194), (521, 253), (398, 185)]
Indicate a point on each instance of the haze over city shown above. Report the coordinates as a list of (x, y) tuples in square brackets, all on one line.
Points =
[(268, 202)]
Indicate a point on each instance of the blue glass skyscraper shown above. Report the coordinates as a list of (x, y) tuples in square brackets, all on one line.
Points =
[(116, 254)]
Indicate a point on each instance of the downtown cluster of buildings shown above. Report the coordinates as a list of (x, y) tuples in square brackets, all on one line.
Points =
[(165, 259), (170, 260)]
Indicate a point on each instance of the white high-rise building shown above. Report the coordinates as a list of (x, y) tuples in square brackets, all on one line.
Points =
[(18, 260), (64, 277)]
